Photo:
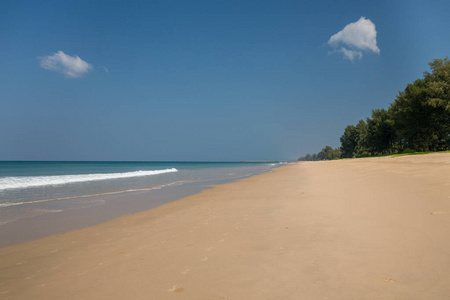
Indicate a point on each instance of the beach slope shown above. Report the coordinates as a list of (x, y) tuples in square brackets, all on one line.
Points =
[(373, 228)]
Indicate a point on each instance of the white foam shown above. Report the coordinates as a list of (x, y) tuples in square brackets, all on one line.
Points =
[(158, 187), (36, 181)]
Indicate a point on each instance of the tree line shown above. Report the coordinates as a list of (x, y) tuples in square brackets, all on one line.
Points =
[(417, 121)]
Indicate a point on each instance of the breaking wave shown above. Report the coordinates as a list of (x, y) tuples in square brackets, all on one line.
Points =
[(37, 181)]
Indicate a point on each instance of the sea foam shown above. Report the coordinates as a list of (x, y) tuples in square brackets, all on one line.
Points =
[(37, 181)]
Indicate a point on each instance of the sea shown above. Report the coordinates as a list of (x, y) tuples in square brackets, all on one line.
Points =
[(29, 189)]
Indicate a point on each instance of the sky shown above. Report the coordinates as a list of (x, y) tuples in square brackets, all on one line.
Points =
[(209, 80)]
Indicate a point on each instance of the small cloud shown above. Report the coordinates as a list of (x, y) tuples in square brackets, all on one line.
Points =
[(71, 66), (357, 37), (349, 54), (105, 69)]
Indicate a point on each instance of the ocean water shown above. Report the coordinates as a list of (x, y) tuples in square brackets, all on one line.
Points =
[(29, 189)]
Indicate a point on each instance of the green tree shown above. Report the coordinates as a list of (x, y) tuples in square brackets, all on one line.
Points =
[(419, 119), (361, 146), (335, 153), (380, 132), (307, 157), (349, 141), (354, 140), (421, 113), (438, 89), (323, 153), (328, 153), (413, 117)]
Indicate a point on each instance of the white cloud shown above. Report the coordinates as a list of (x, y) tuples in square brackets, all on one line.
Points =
[(357, 37), (350, 54), (71, 66), (105, 69)]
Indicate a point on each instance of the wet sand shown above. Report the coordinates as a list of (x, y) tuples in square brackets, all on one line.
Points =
[(110, 207), (375, 228)]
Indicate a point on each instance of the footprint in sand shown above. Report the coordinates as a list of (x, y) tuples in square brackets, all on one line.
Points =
[(185, 272), (175, 289), (439, 212), (205, 258), (221, 241), (389, 280), (209, 249)]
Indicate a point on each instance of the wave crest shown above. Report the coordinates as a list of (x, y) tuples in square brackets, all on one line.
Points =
[(37, 181)]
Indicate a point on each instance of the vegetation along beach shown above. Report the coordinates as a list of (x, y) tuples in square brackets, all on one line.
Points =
[(225, 150)]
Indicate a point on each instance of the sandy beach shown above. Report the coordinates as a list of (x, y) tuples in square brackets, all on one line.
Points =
[(373, 228)]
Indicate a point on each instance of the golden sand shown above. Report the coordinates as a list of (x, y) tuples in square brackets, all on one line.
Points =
[(375, 228)]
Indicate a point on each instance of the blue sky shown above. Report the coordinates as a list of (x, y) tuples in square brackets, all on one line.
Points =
[(202, 80)]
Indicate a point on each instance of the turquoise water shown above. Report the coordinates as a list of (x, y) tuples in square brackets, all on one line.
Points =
[(34, 188)]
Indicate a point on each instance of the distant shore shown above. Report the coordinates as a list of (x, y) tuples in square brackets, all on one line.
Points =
[(373, 228)]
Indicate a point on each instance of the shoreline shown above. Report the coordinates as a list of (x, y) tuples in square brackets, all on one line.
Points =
[(111, 207), (105, 207), (372, 228)]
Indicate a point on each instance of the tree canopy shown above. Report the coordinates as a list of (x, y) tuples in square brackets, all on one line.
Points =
[(418, 120)]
